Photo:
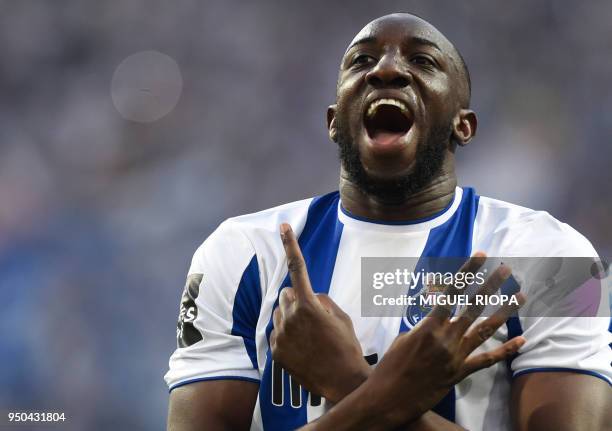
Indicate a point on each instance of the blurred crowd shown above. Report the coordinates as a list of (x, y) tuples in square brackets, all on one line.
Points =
[(99, 214)]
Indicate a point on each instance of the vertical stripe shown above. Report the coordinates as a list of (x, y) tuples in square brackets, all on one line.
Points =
[(513, 324), (247, 305), (510, 287), (319, 243), (451, 239)]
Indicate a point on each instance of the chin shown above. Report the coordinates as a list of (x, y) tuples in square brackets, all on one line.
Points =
[(388, 166), (387, 172)]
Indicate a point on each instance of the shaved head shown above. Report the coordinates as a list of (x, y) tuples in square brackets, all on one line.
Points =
[(430, 33), (402, 108)]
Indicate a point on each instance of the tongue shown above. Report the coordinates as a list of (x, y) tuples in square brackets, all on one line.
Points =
[(385, 138)]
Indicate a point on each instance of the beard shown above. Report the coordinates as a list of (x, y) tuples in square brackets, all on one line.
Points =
[(429, 160)]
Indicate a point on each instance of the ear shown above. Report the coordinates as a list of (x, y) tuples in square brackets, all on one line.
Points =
[(331, 122), (464, 126)]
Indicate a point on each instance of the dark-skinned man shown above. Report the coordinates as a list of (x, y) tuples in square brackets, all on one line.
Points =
[(270, 332)]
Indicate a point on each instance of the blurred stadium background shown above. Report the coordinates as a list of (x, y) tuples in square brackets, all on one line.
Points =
[(99, 215)]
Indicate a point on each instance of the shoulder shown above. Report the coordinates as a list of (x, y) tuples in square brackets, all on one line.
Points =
[(242, 237), (514, 230), (264, 225), (262, 228), (268, 220)]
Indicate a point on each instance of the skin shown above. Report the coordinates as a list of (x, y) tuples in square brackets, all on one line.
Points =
[(561, 401), (429, 359), (379, 400), (204, 406), (388, 59), (400, 61)]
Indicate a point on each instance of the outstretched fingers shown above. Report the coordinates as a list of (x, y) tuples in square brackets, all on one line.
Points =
[(485, 329), (474, 310), (486, 359), (443, 312)]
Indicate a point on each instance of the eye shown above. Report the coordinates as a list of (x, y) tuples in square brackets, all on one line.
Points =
[(362, 59), (422, 60)]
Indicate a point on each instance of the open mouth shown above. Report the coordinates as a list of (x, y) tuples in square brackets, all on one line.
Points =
[(387, 121)]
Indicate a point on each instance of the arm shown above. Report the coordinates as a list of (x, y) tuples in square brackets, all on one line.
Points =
[(213, 376), (215, 405), (414, 364), (426, 361), (563, 401), (431, 421), (555, 384)]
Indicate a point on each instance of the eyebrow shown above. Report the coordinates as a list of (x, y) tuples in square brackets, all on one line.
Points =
[(414, 39)]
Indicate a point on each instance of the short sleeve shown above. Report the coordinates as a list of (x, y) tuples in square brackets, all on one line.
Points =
[(566, 343), (574, 344), (218, 312)]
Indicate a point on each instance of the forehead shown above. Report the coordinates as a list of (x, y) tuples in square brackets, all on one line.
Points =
[(401, 28)]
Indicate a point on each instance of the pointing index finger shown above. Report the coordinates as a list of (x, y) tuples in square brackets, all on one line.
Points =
[(296, 264)]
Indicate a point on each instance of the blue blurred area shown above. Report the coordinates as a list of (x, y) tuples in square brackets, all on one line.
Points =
[(99, 216)]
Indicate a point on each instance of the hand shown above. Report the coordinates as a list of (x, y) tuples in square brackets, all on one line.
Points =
[(313, 339), (434, 355)]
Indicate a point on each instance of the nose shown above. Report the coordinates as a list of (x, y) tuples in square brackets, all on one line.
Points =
[(389, 73)]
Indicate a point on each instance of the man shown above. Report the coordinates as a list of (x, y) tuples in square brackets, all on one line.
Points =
[(261, 315)]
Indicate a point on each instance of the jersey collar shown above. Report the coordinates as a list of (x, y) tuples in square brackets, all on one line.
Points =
[(427, 223)]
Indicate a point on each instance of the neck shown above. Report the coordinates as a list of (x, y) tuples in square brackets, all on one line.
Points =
[(431, 199)]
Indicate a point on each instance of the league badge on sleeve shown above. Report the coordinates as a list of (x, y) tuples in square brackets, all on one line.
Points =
[(186, 333)]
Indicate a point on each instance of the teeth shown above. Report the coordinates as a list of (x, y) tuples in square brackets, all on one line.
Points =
[(393, 102)]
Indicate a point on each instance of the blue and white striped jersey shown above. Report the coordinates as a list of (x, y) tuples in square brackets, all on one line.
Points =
[(237, 273)]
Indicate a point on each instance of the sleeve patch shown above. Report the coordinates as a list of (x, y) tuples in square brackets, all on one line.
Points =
[(186, 333)]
